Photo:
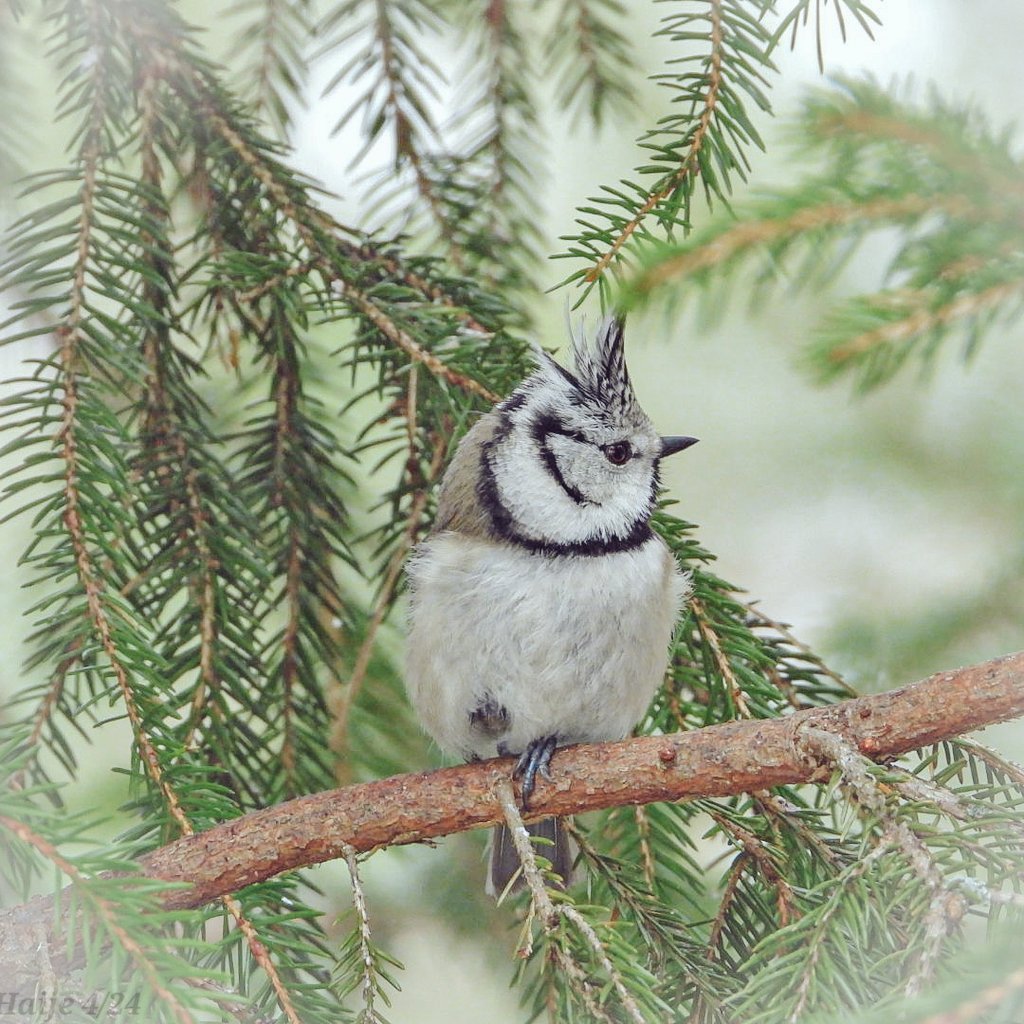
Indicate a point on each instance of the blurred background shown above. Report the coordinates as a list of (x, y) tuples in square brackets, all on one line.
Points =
[(885, 529)]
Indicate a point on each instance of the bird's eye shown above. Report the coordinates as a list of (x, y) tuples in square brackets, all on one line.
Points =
[(618, 453)]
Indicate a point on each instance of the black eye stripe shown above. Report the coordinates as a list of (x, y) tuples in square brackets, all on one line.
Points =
[(618, 453), (541, 429), (548, 423)]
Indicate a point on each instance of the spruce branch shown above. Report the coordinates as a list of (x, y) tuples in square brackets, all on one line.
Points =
[(46, 711), (945, 908), (707, 141), (690, 164), (592, 56), (758, 852), (71, 334), (335, 257), (262, 956), (552, 912), (167, 454), (709, 636), (718, 248), (361, 964), (717, 761), (271, 55), (195, 570), (800, 13), (637, 901), (403, 340), (906, 324), (504, 241), (951, 187), (402, 82), (102, 907)]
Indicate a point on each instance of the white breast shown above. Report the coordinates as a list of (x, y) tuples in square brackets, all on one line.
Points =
[(574, 646)]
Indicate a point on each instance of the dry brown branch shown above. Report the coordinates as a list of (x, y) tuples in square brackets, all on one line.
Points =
[(717, 761)]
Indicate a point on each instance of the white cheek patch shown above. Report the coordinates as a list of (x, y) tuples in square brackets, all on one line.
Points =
[(544, 510)]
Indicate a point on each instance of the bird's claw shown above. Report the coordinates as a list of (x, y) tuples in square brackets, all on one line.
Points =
[(534, 761)]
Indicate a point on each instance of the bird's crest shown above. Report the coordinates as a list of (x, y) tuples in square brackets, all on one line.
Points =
[(601, 375), (602, 372)]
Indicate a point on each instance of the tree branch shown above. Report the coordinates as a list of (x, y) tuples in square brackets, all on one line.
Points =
[(717, 761)]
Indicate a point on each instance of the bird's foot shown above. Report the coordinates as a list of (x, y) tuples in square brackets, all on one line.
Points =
[(534, 761)]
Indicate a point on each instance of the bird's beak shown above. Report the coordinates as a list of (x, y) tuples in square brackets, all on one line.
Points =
[(671, 445)]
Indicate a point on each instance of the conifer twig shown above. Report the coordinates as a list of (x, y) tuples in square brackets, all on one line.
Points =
[(548, 911), (369, 1014), (104, 909), (695, 257), (755, 849), (988, 999), (945, 907), (360, 301), (710, 637), (690, 164), (923, 320)]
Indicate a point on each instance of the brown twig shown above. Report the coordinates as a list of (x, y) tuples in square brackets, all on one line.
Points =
[(729, 893), (361, 302), (710, 637), (752, 846), (643, 829)]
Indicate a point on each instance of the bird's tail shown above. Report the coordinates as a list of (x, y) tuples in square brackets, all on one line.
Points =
[(561, 851)]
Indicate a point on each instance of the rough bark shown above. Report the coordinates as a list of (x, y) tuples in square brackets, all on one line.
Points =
[(717, 761)]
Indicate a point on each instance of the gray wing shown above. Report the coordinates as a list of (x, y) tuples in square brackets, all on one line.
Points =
[(458, 504)]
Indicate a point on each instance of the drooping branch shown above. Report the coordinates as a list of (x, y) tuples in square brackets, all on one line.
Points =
[(690, 165), (717, 761)]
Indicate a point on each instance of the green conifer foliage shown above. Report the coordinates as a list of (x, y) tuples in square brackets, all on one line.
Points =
[(222, 372)]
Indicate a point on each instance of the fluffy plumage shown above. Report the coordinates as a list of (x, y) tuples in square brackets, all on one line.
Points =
[(543, 603)]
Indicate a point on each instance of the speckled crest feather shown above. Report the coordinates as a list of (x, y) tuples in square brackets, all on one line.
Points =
[(601, 372)]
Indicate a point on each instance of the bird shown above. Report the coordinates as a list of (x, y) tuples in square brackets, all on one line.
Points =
[(542, 602)]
